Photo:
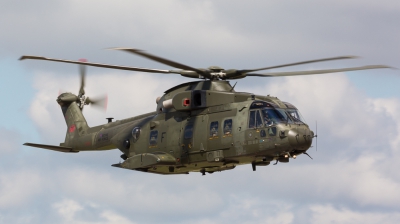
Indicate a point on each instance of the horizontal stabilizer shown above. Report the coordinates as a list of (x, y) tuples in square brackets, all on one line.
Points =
[(51, 147)]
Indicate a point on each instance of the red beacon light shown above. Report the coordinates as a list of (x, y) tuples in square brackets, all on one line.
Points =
[(186, 102)]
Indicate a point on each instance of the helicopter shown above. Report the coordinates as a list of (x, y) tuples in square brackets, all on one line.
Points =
[(202, 126)]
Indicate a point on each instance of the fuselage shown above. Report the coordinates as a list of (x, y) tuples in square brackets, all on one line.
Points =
[(204, 127)]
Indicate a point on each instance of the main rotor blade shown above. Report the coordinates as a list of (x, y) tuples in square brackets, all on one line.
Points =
[(97, 64), (314, 72), (298, 63), (163, 61)]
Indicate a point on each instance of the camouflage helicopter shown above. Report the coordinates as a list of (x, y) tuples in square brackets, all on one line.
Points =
[(203, 126)]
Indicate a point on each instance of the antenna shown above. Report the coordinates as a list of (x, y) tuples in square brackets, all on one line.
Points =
[(316, 135), (233, 87)]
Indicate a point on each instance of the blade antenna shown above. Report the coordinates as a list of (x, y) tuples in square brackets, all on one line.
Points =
[(316, 135), (233, 87), (307, 155)]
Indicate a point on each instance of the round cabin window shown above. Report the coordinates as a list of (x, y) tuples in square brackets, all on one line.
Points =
[(135, 134)]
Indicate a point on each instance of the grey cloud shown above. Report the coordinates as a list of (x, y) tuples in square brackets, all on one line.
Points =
[(204, 33)]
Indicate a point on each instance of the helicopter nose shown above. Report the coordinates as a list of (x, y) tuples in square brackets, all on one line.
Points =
[(300, 138)]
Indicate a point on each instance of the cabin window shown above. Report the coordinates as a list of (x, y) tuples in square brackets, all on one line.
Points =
[(263, 133), (255, 120), (135, 134), (228, 127), (214, 129), (188, 131), (153, 138), (272, 131)]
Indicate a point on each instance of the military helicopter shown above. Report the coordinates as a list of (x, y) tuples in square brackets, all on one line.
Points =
[(202, 126)]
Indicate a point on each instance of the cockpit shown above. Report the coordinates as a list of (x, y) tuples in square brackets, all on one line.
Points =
[(263, 114)]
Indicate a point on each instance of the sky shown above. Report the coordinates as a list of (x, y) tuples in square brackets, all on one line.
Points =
[(353, 177)]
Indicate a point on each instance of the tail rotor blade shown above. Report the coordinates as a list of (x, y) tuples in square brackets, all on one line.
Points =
[(100, 102), (82, 70)]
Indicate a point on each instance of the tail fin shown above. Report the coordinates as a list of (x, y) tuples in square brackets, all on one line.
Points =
[(76, 122), (76, 125)]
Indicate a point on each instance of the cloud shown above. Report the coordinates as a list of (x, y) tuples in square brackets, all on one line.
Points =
[(329, 214), (343, 181), (9, 140), (390, 107), (14, 190), (204, 33), (120, 23), (69, 211), (142, 196)]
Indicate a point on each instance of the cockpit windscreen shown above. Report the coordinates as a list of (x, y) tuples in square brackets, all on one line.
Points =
[(295, 114), (273, 116)]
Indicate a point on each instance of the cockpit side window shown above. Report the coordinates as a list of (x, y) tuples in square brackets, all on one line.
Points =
[(259, 123), (295, 114), (252, 119), (255, 120)]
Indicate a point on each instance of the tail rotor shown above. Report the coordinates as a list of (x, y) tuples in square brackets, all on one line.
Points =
[(100, 103), (81, 99)]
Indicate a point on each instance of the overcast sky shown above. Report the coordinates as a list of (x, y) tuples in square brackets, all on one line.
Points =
[(353, 177)]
